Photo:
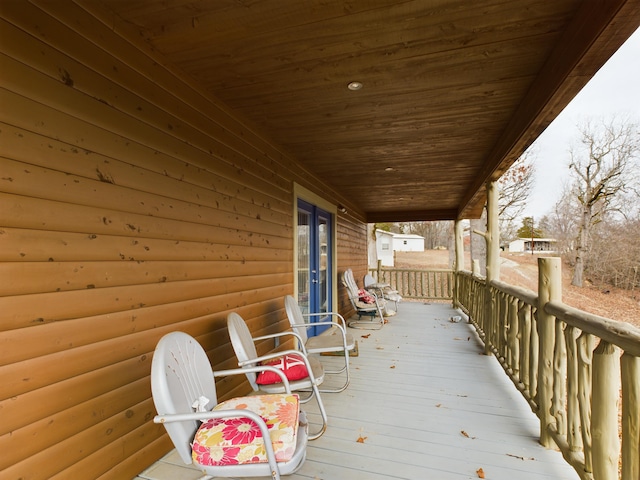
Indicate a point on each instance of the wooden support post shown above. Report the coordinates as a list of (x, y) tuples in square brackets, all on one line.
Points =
[(459, 262), (459, 245), (549, 288), (604, 411), (493, 233), (492, 237)]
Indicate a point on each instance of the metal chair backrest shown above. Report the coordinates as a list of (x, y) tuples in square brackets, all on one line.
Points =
[(294, 314), (181, 374), (242, 343)]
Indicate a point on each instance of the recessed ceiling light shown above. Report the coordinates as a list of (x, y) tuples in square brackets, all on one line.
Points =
[(354, 86), (389, 169)]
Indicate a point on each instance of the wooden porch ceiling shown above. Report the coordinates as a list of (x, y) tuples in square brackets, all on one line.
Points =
[(453, 90)]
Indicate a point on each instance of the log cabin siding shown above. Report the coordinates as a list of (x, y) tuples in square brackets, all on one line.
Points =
[(131, 205)]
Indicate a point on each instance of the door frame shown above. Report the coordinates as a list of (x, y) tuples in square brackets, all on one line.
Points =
[(299, 192)]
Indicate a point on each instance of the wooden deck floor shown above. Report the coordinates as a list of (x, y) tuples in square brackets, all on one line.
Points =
[(427, 404)]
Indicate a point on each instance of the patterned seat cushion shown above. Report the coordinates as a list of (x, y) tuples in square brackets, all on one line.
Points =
[(237, 440)]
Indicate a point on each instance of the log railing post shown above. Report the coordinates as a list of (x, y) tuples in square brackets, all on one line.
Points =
[(574, 439), (584, 349), (524, 339), (549, 289), (630, 417), (475, 267), (604, 411)]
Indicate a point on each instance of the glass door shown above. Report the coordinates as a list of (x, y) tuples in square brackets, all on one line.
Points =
[(314, 262)]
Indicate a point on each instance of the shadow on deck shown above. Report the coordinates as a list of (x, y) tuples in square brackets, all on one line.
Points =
[(424, 403)]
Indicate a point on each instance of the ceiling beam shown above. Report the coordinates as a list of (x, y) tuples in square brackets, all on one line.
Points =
[(410, 216)]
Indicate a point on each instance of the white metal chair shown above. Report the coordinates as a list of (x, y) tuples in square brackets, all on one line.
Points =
[(184, 393), (338, 341), (382, 290), (244, 346), (362, 308)]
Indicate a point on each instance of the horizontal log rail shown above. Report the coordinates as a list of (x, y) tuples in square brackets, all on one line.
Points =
[(424, 284), (579, 372)]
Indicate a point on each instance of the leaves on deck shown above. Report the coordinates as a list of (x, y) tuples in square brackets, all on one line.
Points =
[(361, 439), (480, 472), (520, 457), (366, 336), (465, 434)]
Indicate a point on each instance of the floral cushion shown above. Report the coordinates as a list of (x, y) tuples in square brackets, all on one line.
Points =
[(237, 440), (293, 367)]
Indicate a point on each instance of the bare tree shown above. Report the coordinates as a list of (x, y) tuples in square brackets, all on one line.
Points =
[(514, 189), (601, 169), (561, 224)]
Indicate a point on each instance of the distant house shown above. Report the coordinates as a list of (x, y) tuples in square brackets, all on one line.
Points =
[(387, 243), (540, 245)]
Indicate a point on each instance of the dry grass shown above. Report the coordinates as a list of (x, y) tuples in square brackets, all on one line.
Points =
[(522, 270)]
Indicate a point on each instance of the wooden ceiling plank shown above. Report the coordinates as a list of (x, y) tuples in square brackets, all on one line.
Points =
[(592, 33)]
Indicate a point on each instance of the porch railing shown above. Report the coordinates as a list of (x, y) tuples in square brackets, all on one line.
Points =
[(579, 372), (433, 284)]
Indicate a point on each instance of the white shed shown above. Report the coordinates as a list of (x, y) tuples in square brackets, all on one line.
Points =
[(387, 243), (403, 242), (384, 247)]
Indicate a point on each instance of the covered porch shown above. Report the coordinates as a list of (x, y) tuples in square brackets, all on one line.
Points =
[(424, 402)]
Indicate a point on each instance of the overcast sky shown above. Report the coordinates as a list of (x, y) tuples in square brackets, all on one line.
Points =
[(614, 90)]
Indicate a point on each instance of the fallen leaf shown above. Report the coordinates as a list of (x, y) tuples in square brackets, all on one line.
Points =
[(366, 336), (392, 366), (438, 405), (518, 456), (465, 434), (361, 439), (480, 473), (379, 348)]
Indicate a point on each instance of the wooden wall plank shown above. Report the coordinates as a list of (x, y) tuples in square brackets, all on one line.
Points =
[(38, 309), (79, 135), (44, 245), (198, 186), (22, 212), (160, 133), (131, 205), (43, 277), (43, 183), (37, 436)]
